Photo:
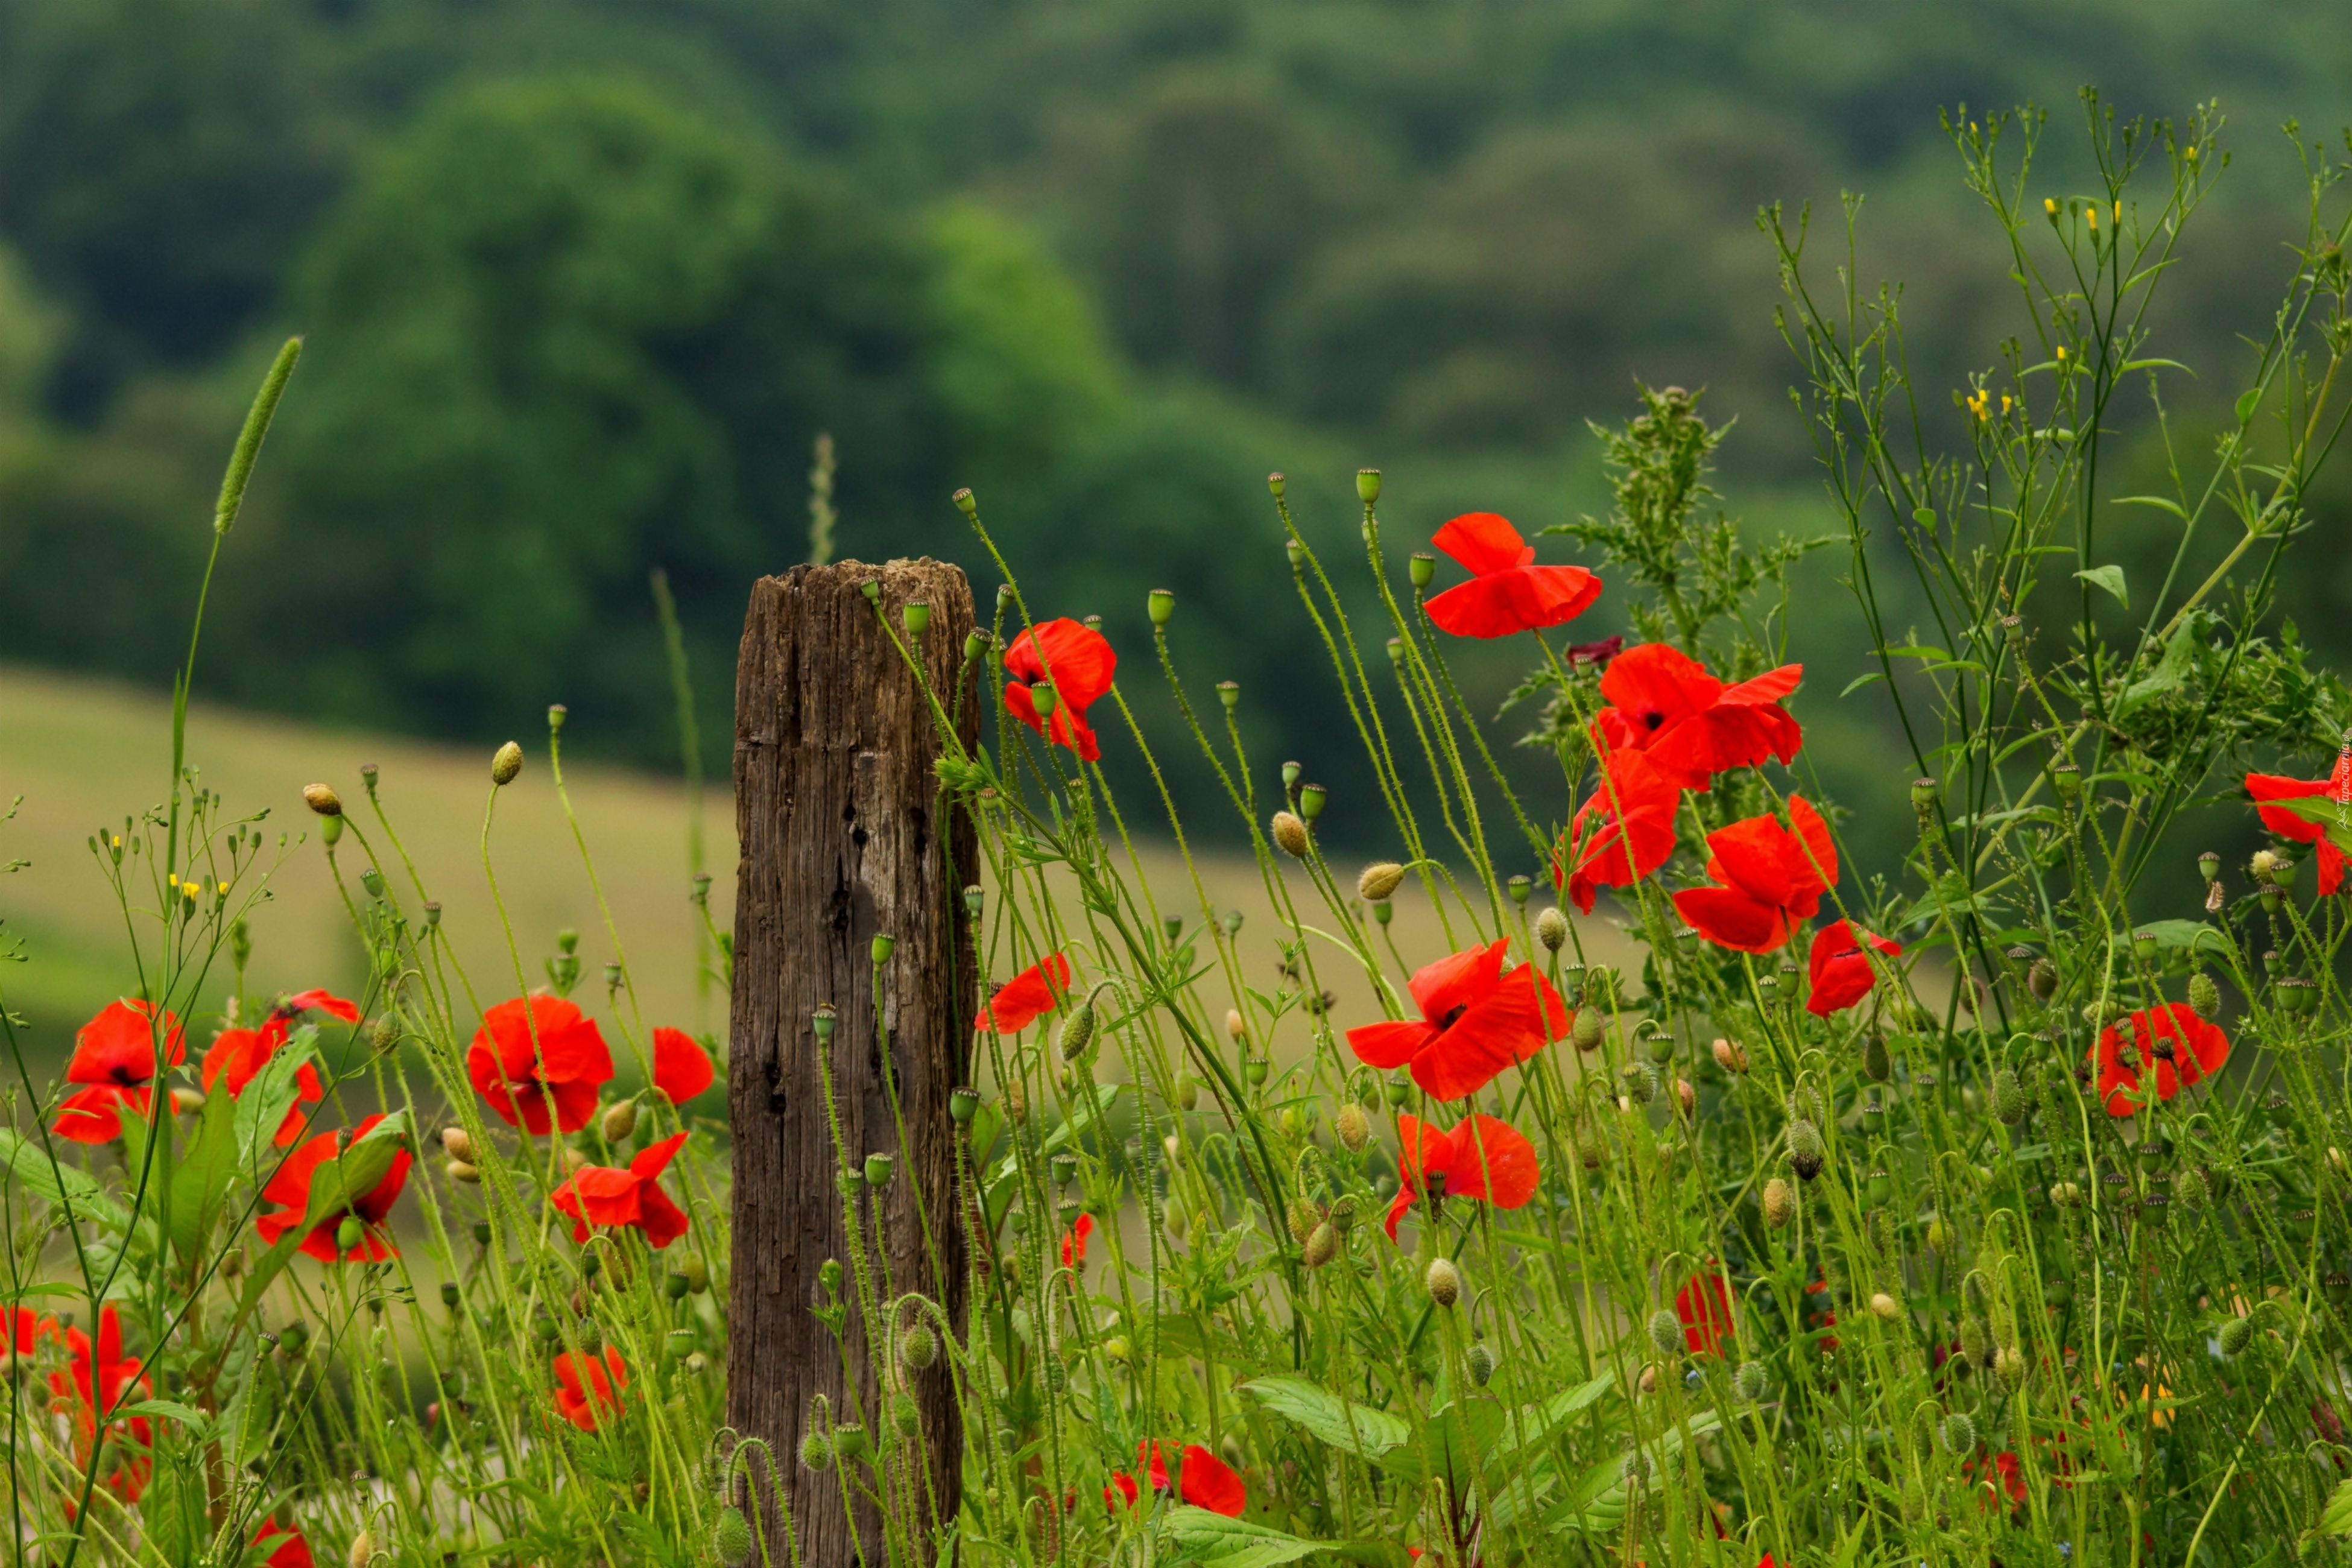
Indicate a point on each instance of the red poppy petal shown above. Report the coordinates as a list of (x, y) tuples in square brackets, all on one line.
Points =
[(682, 1067), (324, 1001), (1397, 1208), (1078, 660), (1769, 687), (1756, 856), (1494, 1160), (662, 1220), (90, 1115), (575, 1105), (1458, 979), (1019, 1002), (1209, 1482), (1500, 1030), (1484, 543), (1729, 917), (1816, 864), (1390, 1045), (2286, 824)]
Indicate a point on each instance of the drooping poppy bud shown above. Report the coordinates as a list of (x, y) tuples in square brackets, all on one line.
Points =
[(1289, 834), (2204, 995), (2008, 1098), (1442, 1282), (1551, 929), (322, 799), (506, 764), (1379, 879), (1779, 1203), (1354, 1128), (1667, 1334), (1806, 1150)]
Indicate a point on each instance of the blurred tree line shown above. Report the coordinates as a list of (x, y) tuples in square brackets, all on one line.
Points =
[(583, 280)]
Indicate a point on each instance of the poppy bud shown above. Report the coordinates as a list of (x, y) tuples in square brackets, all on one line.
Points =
[(1379, 879), (1667, 1334), (1686, 1098), (731, 1540), (186, 1100), (1322, 1245), (348, 1233), (2042, 979), (1551, 929), (322, 799), (964, 1104), (1188, 1094), (1352, 1127), (1779, 1203), (1805, 1149), (462, 1170), (1959, 1434), (1442, 1282), (2008, 1098), (828, 1275), (2190, 1188), (506, 763), (1481, 1362), (2009, 1366), (1729, 1057), (815, 1452), (1588, 1028), (1885, 1308), (1290, 835), (906, 1416), (2236, 1335), (1752, 1382), (1877, 1065), (1310, 801), (1367, 485), (363, 1551), (1077, 1030), (619, 1121), (1229, 693), (2204, 995), (1303, 1220)]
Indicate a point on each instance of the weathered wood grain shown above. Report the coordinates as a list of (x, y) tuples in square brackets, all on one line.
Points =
[(839, 816)]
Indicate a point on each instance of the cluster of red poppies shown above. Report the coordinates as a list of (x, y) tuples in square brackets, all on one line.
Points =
[(96, 1378)]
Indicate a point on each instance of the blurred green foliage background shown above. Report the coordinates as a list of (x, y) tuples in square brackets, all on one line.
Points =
[(583, 280)]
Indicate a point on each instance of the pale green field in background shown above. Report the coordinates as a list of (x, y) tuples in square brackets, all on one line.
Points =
[(82, 753)]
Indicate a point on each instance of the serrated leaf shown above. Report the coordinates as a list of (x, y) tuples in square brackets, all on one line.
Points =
[(2110, 577), (200, 1179), (270, 1094), (27, 1162)]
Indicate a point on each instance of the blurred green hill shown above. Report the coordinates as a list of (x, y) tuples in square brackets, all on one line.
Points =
[(582, 283)]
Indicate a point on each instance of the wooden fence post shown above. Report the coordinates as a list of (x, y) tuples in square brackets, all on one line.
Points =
[(841, 823)]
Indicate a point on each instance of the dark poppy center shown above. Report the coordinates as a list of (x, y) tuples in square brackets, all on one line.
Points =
[(1452, 1015), (1653, 719)]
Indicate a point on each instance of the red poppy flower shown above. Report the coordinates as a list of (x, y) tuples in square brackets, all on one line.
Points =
[(1824, 1319), (114, 1057), (289, 1190), (681, 1067), (1152, 1459), (1772, 880), (239, 1054), (22, 1330), (1623, 833), (99, 1376), (1596, 653), (290, 1551), (1480, 1159), (1027, 996), (1998, 1475), (1209, 1482), (2184, 1047), (599, 1194), (1125, 1496), (1703, 1304), (1476, 1020), (1840, 970), (1074, 1242), (537, 1060), (2336, 786), (1507, 592), (1078, 661), (587, 1385), (1663, 702)]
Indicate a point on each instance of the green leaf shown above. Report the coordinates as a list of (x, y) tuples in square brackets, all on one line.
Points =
[(2191, 936), (2248, 401), (27, 1162), (165, 1410), (1859, 681), (1212, 1541), (2180, 658), (2110, 577), (200, 1179), (2336, 1519), (270, 1094), (1352, 1428)]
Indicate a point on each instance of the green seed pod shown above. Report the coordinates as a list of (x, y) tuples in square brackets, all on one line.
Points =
[(1959, 1434), (731, 1540), (1422, 569), (2236, 1334), (2191, 1189), (918, 1347), (1343, 1214), (849, 1443), (2204, 995), (815, 1452), (1806, 1150), (1379, 879), (1640, 1081), (1442, 1282), (1667, 1334), (1752, 1382), (1188, 1094), (348, 1233), (1589, 1029), (1161, 604), (878, 1169), (1481, 1362), (1779, 1203), (2042, 979), (964, 1104), (1551, 929), (2008, 1098), (1322, 1245), (1077, 1030), (1877, 1064)]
